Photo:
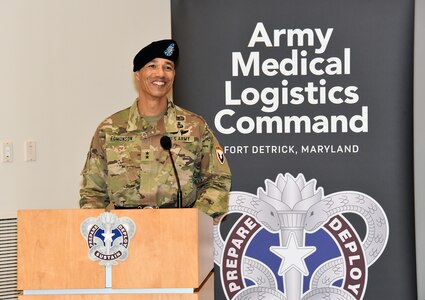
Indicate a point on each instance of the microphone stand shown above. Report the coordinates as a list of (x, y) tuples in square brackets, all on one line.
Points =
[(179, 190)]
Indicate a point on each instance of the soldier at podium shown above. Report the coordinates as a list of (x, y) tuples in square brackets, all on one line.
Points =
[(128, 167)]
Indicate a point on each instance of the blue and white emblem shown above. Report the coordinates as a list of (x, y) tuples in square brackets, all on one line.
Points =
[(170, 50), (290, 242), (108, 237)]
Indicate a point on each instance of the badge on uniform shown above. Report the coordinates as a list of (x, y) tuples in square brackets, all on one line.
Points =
[(219, 154), (147, 155)]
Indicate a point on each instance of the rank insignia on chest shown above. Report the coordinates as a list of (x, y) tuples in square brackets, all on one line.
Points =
[(147, 155)]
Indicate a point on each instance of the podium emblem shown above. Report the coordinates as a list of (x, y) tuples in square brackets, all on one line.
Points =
[(108, 237)]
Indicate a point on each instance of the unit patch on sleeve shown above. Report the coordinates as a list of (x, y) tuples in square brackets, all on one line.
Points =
[(219, 154)]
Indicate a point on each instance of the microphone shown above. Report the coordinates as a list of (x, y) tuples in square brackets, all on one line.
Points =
[(166, 145)]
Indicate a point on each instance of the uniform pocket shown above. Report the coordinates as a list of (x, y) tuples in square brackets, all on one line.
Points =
[(123, 155)]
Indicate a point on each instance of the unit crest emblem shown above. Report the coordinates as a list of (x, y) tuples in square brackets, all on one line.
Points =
[(290, 242), (108, 237)]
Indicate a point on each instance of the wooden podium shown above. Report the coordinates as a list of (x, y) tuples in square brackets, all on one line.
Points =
[(170, 257)]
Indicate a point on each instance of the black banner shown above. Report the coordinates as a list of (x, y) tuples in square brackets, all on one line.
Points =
[(312, 104)]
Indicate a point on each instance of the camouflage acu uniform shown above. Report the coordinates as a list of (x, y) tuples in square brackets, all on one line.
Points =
[(126, 164)]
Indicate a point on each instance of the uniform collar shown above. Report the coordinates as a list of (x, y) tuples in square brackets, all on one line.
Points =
[(137, 123)]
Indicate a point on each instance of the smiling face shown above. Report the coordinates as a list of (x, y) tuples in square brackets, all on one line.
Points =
[(155, 79)]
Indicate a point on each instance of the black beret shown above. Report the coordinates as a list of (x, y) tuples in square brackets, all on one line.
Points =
[(167, 49)]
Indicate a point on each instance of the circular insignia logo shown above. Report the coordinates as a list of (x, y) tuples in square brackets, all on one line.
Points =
[(291, 242), (108, 237)]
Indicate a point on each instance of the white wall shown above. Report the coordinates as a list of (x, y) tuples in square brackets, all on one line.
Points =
[(420, 143), (64, 66)]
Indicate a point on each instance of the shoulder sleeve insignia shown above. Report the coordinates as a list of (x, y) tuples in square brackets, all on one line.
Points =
[(219, 154)]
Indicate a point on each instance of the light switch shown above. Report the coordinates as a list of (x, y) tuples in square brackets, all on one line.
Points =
[(30, 151)]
